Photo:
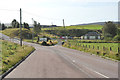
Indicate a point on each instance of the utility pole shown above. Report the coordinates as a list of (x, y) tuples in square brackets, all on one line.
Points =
[(32, 30), (20, 27), (64, 28), (63, 23), (52, 23)]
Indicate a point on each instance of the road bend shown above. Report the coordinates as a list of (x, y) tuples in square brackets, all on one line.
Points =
[(60, 62)]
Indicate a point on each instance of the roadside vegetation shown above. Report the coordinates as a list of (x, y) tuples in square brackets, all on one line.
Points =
[(27, 36), (108, 47), (15, 32), (11, 54), (110, 50), (48, 43)]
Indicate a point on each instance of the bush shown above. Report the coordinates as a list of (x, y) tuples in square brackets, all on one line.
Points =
[(108, 38), (116, 38)]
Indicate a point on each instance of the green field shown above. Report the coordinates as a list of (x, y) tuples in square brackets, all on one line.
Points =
[(11, 54), (90, 27)]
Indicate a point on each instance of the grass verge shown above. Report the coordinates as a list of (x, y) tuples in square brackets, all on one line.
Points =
[(93, 49), (11, 54)]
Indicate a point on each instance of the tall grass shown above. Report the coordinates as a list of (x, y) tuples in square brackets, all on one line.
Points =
[(12, 53)]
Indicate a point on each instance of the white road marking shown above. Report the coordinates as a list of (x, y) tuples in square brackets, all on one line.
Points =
[(81, 70), (101, 74), (97, 72), (73, 60), (94, 71), (75, 65), (87, 68)]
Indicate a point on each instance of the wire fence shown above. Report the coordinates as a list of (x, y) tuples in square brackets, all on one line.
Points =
[(113, 47)]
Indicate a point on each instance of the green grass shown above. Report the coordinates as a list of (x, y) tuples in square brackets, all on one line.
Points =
[(93, 48), (11, 54), (90, 27), (9, 32), (15, 32)]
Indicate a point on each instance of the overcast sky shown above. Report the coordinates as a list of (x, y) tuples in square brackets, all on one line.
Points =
[(53, 11)]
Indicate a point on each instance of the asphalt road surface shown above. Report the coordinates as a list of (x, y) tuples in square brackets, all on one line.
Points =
[(60, 62)]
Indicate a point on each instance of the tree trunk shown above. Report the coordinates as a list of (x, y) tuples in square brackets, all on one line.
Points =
[(38, 39)]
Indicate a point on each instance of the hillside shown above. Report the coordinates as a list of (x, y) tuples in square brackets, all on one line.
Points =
[(95, 23), (90, 27), (15, 32)]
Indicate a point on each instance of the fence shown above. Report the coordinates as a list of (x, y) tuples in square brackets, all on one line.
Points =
[(96, 47)]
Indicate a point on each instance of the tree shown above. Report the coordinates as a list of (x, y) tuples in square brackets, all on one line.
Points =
[(39, 26), (0, 26), (116, 38), (15, 23), (26, 25), (37, 29), (3, 26), (109, 30)]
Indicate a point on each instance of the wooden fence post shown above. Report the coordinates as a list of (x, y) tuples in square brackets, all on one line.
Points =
[(93, 46), (110, 49), (89, 46), (103, 48), (98, 47), (118, 50)]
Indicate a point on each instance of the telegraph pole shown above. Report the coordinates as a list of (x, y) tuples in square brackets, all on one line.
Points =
[(63, 23), (64, 28), (20, 27)]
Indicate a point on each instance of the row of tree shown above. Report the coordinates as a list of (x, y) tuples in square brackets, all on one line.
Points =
[(36, 28), (15, 24)]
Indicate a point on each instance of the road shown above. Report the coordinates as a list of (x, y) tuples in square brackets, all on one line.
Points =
[(60, 62)]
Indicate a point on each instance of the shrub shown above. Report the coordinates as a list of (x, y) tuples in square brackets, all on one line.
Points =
[(116, 38)]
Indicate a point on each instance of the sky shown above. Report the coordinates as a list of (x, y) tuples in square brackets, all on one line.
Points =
[(49, 12)]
